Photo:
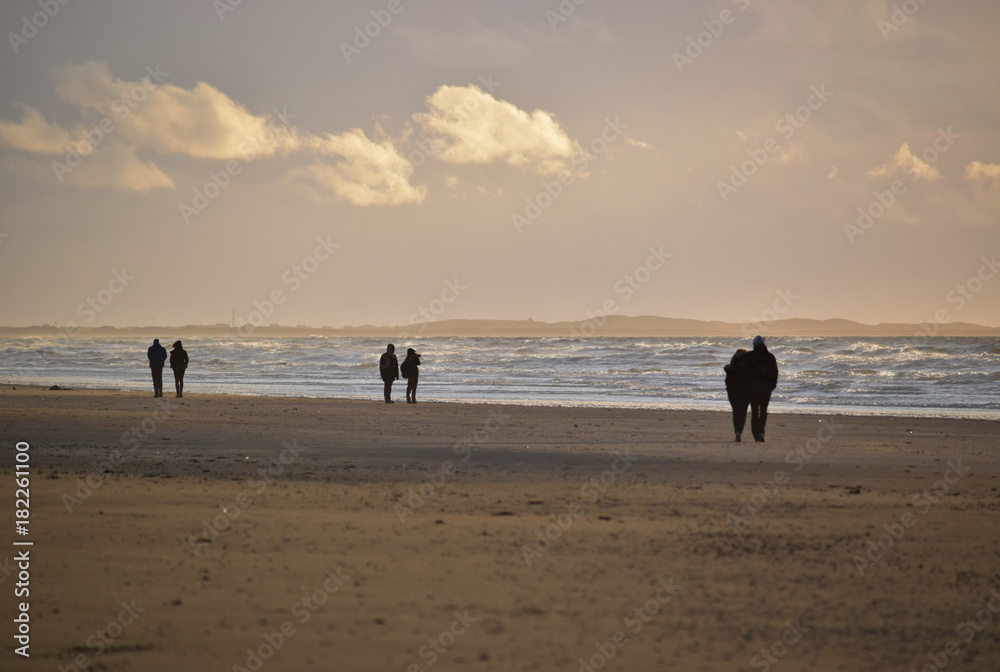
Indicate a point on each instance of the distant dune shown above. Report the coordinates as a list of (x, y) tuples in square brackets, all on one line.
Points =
[(614, 325)]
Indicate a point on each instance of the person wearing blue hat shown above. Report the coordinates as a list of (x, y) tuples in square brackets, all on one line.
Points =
[(763, 380)]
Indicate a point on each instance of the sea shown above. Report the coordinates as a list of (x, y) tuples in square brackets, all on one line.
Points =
[(930, 377)]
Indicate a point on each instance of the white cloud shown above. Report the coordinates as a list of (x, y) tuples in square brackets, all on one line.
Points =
[(34, 134), (906, 161), (201, 122), (370, 172), (985, 172), (119, 167), (470, 126)]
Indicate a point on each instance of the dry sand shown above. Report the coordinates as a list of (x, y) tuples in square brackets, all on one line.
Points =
[(669, 547)]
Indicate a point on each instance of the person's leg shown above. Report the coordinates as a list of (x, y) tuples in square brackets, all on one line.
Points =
[(739, 402), (152, 373), (388, 391), (765, 399), (414, 380), (411, 390), (157, 381), (755, 416)]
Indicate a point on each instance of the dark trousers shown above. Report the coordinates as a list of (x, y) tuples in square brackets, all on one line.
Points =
[(411, 387), (179, 380), (759, 399), (739, 401), (388, 388), (157, 372)]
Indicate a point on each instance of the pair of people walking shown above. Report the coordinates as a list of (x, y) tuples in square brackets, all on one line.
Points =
[(750, 379), (157, 356), (389, 370)]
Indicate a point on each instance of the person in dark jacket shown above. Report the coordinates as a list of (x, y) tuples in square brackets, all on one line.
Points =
[(179, 363), (388, 367), (763, 380), (157, 355), (738, 388), (411, 371)]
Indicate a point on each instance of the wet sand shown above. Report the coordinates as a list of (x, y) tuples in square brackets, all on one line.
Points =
[(298, 534)]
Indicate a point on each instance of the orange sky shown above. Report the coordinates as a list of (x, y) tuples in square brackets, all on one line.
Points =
[(339, 166)]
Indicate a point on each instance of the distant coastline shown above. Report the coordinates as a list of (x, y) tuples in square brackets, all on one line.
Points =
[(611, 326)]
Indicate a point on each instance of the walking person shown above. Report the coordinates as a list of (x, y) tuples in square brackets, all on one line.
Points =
[(763, 380), (157, 355), (179, 363), (411, 371), (738, 389), (388, 367)]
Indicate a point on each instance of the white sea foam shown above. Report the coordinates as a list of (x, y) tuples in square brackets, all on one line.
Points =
[(942, 377)]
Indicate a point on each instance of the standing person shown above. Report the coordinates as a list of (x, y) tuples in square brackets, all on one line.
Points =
[(179, 363), (763, 380), (157, 355), (388, 367), (411, 371), (738, 388)]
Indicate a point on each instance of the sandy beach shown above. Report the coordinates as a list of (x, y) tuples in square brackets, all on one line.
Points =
[(231, 533)]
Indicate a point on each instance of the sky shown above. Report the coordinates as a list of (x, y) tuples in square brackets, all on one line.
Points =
[(393, 161)]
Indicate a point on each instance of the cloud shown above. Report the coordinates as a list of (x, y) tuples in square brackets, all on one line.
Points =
[(984, 172), (906, 161), (119, 167), (121, 118), (370, 172), (34, 134), (469, 126)]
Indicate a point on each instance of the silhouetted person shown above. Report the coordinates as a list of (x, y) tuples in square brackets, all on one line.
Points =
[(388, 368), (179, 363), (763, 380), (157, 355), (411, 371), (738, 388)]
